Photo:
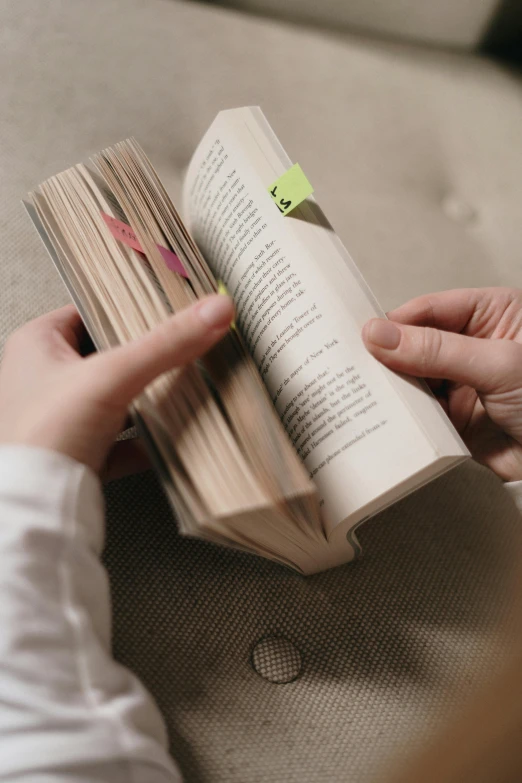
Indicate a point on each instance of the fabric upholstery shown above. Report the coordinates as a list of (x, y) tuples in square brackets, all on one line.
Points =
[(266, 676), (417, 160), (462, 24)]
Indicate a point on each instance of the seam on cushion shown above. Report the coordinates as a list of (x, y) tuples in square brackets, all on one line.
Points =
[(74, 621)]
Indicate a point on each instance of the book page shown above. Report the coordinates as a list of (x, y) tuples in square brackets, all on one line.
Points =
[(300, 314)]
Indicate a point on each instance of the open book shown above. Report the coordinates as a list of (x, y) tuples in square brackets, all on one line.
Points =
[(288, 434)]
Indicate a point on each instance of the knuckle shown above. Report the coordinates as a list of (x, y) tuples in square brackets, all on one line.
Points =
[(430, 349)]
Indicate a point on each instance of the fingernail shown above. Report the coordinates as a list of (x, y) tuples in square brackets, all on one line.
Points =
[(216, 311), (383, 333)]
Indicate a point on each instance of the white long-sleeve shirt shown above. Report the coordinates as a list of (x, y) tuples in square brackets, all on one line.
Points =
[(68, 712)]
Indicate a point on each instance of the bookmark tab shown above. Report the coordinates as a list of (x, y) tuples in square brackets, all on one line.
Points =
[(172, 261), (222, 289), (290, 189), (124, 233)]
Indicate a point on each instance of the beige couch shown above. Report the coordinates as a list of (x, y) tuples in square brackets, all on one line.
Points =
[(416, 156)]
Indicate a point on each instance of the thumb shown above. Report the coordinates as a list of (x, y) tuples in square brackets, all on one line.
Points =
[(121, 374), (489, 366)]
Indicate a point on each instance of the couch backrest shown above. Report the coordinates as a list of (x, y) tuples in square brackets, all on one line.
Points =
[(461, 24)]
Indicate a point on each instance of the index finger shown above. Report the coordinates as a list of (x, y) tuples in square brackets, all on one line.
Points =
[(121, 373), (450, 311)]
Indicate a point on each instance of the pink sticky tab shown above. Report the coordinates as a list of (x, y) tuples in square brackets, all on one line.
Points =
[(172, 261), (125, 234)]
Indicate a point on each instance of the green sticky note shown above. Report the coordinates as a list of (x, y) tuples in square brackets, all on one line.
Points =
[(290, 189)]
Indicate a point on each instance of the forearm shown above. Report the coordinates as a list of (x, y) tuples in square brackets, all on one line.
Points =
[(68, 712)]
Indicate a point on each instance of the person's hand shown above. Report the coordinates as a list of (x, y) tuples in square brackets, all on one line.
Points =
[(470, 341), (53, 398)]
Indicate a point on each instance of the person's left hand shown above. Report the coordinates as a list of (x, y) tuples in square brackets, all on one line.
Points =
[(53, 398)]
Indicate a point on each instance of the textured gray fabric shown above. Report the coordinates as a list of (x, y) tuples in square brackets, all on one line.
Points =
[(415, 155), (277, 659), (387, 645), (445, 22), (416, 158)]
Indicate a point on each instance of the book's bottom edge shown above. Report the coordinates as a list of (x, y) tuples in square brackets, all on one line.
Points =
[(346, 529)]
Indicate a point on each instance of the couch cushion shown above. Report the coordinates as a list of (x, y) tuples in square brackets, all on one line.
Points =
[(416, 158), (445, 22)]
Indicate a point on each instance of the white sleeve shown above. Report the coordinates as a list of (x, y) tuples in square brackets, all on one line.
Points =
[(68, 712), (515, 490)]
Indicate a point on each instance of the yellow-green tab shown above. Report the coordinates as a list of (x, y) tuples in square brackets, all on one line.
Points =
[(222, 289), (290, 189)]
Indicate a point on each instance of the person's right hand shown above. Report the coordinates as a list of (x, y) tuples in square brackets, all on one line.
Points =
[(471, 341)]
